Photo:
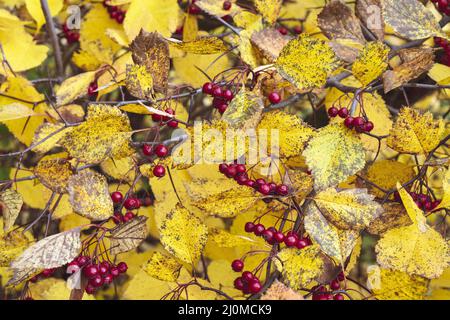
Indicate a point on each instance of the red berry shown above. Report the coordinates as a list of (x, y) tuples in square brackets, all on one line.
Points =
[(223, 168), (89, 289), (298, 29), (335, 285), (172, 123), (274, 98), (301, 244), (120, 17), (333, 112), (283, 31), (290, 241), (108, 278), (368, 126), (264, 189), (102, 269), (90, 271), (358, 121), (268, 235), (92, 88), (169, 111), (260, 182), (228, 95), (348, 122), (254, 286), (123, 267), (128, 216), (207, 88), (247, 276), (217, 92), (250, 183), (341, 276), (259, 229), (241, 179), (343, 113), (222, 108), (240, 168), (147, 149), (279, 237), (231, 171), (159, 171), (114, 271), (131, 203), (96, 281), (249, 227), (48, 272), (282, 189), (161, 150), (82, 260), (338, 297), (237, 265), (226, 5), (117, 197), (238, 283)]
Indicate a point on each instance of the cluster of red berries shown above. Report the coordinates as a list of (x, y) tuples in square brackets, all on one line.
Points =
[(131, 203), (247, 282), (166, 120), (160, 151), (71, 35), (97, 274), (115, 12), (272, 236), (444, 44), (238, 172), (46, 273), (222, 96), (321, 292), (442, 6), (423, 201), (296, 30), (358, 123)]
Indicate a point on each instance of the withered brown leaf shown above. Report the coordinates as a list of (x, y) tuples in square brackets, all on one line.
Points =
[(369, 12), (269, 43), (337, 21), (54, 174), (151, 50), (11, 201), (129, 235), (417, 61)]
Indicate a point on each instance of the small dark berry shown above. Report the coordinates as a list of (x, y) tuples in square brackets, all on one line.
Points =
[(274, 98), (117, 197), (343, 113), (237, 265), (161, 150), (159, 171), (147, 149), (333, 112), (249, 227)]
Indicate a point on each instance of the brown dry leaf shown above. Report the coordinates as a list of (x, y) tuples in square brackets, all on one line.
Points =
[(269, 42), (11, 203), (129, 235), (417, 62), (279, 291), (54, 174), (51, 252), (89, 195), (394, 216), (345, 50), (151, 50), (337, 21), (370, 13)]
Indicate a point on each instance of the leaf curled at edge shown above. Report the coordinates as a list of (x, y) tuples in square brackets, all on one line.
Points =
[(74, 87), (129, 235)]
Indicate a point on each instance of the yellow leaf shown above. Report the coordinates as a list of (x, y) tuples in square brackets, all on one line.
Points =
[(190, 27), (18, 87), (336, 243), (12, 244), (215, 8), (52, 289), (105, 133), (89, 195), (48, 135), (54, 174), (334, 154), (144, 287), (414, 132), (35, 10), (300, 267), (415, 21), (129, 235), (269, 9), (371, 62), (445, 202), (202, 45), (311, 71), (15, 111), (11, 203), (441, 74), (351, 209), (74, 87), (151, 15), (244, 111), (183, 234), (291, 131), (386, 174), (394, 216), (139, 82), (21, 51), (120, 169), (416, 252), (396, 285), (163, 267)]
